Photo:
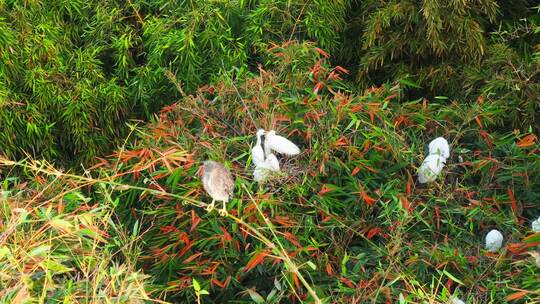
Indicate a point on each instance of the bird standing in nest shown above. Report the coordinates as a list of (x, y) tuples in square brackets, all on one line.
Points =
[(218, 183)]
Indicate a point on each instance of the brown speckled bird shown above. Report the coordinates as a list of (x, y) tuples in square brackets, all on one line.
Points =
[(218, 183)]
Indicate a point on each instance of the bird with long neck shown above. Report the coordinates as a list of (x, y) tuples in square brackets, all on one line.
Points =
[(265, 161), (257, 152)]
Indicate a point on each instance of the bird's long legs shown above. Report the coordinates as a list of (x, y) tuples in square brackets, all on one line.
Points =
[(223, 211), (210, 206)]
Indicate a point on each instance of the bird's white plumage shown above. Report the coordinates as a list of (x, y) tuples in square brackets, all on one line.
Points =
[(431, 168), (257, 152), (494, 240), (272, 162), (535, 225), (266, 169), (455, 300), (260, 174), (439, 146), (280, 144)]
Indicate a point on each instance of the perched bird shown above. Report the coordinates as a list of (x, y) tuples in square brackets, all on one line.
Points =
[(257, 152), (264, 163), (218, 183), (494, 240), (280, 144), (439, 146), (535, 225), (430, 168)]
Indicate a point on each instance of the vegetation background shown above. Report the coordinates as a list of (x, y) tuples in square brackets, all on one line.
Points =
[(107, 109)]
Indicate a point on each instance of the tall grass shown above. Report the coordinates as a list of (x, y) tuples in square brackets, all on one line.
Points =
[(345, 223)]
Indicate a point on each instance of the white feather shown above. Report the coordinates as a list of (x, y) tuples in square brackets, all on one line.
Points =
[(535, 225), (430, 168), (279, 144), (440, 147), (272, 162), (454, 300), (257, 152), (494, 240), (266, 169), (260, 174)]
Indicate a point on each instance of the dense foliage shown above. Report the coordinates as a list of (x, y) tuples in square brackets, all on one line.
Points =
[(346, 223), (461, 49), (142, 92), (72, 72)]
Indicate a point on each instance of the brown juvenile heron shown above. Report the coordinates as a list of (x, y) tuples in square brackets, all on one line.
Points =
[(218, 183)]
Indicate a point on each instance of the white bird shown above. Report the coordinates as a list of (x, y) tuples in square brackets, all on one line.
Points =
[(535, 225), (431, 168), (440, 147), (494, 240), (279, 144), (454, 300), (257, 152), (264, 170), (218, 183), (272, 162)]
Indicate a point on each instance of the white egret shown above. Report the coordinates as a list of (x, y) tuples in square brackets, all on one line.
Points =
[(272, 162), (454, 300), (257, 152), (439, 146), (264, 170), (218, 183), (535, 225), (494, 240), (430, 168), (279, 144)]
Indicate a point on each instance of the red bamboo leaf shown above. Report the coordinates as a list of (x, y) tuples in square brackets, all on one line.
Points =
[(342, 69), (373, 232), (291, 238), (406, 204), (347, 282), (256, 260), (217, 282), (478, 121), (325, 189), (323, 53), (329, 269), (318, 87), (295, 279), (368, 199), (514, 204), (226, 235), (192, 257), (527, 141), (195, 220), (517, 295)]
